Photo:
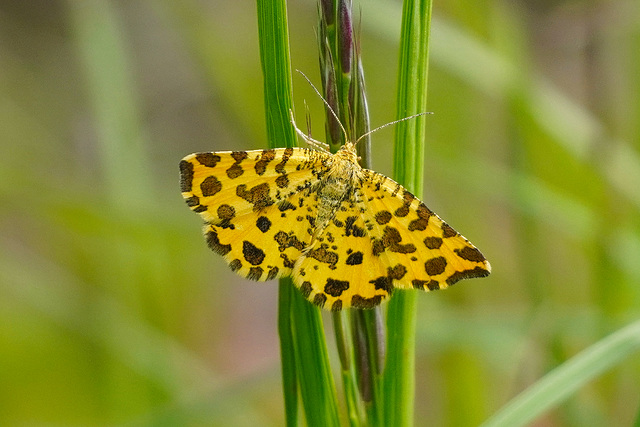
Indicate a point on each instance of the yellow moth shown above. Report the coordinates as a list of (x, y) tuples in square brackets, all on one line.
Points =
[(347, 236)]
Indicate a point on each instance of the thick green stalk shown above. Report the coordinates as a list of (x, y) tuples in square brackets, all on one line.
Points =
[(312, 364), (303, 347), (276, 69), (343, 85), (399, 381)]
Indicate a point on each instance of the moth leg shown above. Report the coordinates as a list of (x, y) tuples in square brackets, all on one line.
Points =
[(322, 146)]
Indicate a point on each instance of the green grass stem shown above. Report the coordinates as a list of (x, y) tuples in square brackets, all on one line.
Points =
[(302, 342), (399, 381)]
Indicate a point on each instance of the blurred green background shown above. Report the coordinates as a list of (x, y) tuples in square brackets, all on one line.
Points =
[(114, 312)]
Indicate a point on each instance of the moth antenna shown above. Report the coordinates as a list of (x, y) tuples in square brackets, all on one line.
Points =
[(389, 124), (323, 146), (333, 113)]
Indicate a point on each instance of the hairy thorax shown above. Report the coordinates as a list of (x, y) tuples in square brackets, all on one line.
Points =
[(338, 185)]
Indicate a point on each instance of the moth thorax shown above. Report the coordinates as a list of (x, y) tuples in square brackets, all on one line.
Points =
[(348, 153)]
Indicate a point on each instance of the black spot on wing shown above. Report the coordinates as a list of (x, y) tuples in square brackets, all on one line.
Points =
[(447, 231), (323, 255), (273, 273), (255, 273), (306, 288), (432, 242), (431, 285), (186, 176), (258, 195), (261, 165), (209, 160), (470, 254), (286, 262), (239, 156), (214, 243), (397, 272), (319, 300), (335, 287), (226, 212), (235, 265), (359, 301), (252, 253), (286, 205), (423, 211), (285, 241), (210, 186), (353, 230), (354, 258), (282, 181), (280, 167), (435, 266), (192, 201), (390, 240), (418, 224), (263, 223), (234, 171), (402, 211), (467, 274), (383, 217), (382, 283)]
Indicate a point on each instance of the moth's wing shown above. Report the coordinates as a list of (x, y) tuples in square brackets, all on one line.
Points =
[(246, 180), (384, 239), (405, 231), (254, 204)]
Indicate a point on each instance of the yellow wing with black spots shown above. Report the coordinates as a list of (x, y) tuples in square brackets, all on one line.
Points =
[(255, 205), (405, 232), (339, 269), (381, 239), (219, 184)]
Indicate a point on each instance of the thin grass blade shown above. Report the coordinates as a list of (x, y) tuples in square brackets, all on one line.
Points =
[(563, 381)]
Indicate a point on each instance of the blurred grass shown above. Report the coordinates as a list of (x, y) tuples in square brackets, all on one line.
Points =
[(568, 377), (113, 311)]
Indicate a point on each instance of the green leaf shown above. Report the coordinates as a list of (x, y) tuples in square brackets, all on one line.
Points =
[(563, 381)]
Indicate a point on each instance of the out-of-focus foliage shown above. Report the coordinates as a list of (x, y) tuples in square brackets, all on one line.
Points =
[(112, 309)]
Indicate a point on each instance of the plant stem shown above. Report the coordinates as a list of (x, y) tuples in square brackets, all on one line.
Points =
[(399, 381), (303, 347)]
